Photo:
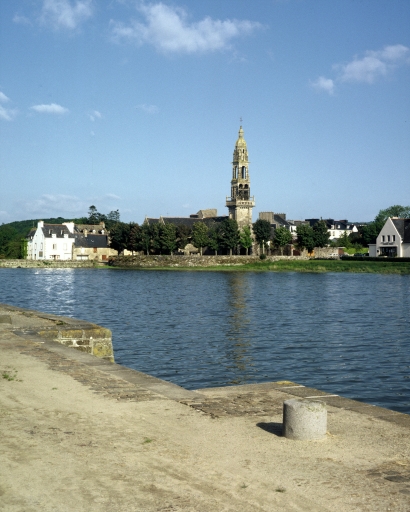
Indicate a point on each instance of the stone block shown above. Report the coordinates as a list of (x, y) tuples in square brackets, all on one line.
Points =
[(304, 420)]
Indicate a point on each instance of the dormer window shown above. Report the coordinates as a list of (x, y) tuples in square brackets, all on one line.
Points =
[(50, 231)]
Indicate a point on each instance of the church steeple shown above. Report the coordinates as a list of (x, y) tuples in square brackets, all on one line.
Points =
[(240, 203)]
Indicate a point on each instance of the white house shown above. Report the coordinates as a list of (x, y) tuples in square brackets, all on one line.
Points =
[(393, 239), (50, 242)]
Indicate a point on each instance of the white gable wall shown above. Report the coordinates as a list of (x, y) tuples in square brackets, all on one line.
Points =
[(389, 237)]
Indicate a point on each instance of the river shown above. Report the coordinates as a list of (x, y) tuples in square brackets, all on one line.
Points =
[(347, 334)]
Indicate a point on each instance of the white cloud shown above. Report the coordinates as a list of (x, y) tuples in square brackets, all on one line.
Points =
[(52, 108), (368, 69), (111, 196), (148, 109), (65, 13), (7, 114), (55, 205), (324, 84), (168, 30), (374, 64), (95, 115)]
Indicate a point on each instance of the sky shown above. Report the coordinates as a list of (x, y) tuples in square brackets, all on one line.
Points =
[(136, 105)]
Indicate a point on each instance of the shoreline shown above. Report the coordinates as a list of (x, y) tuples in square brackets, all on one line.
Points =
[(82, 433), (225, 264)]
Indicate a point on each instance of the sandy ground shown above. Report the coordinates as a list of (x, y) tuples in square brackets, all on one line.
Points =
[(66, 445)]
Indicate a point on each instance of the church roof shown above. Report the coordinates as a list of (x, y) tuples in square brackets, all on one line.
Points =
[(241, 141)]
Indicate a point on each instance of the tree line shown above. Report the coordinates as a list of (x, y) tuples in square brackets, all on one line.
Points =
[(224, 236)]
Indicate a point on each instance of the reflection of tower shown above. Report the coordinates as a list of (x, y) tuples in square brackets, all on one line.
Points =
[(240, 203), (239, 328)]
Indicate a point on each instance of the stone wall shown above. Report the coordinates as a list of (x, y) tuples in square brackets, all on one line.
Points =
[(71, 332), (46, 264), (191, 261)]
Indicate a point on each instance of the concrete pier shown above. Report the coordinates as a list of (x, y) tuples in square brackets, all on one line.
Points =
[(82, 433)]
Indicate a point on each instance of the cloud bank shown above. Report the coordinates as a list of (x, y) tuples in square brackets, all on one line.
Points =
[(52, 108), (374, 65), (169, 31)]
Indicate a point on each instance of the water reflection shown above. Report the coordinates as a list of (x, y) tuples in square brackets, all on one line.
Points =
[(346, 334), (238, 336)]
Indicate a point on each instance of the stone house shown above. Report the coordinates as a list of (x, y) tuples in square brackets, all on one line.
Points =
[(393, 239), (69, 241)]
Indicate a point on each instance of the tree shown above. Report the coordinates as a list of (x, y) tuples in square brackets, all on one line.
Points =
[(344, 241), (119, 236), (134, 242), (168, 237), (183, 235), (200, 235), (305, 237), (393, 211), (246, 238), (321, 234), (262, 232), (93, 215), (111, 219), (229, 234), (145, 238), (213, 239), (282, 237)]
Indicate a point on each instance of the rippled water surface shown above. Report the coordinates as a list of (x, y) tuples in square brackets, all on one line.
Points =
[(344, 333)]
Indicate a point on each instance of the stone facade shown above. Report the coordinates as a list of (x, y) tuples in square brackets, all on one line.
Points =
[(240, 202)]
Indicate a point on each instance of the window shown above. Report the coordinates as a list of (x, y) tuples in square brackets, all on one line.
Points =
[(54, 247), (95, 249), (393, 238), (383, 237), (388, 238), (243, 172)]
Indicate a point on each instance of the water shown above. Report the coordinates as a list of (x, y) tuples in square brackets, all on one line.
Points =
[(347, 334)]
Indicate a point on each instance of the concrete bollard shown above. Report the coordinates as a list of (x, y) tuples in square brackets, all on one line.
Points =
[(304, 419)]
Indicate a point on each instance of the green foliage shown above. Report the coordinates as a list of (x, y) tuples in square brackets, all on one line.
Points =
[(305, 237), (246, 238), (262, 257), (183, 235), (120, 236), (168, 237), (282, 237), (262, 231), (200, 235), (145, 238), (321, 234), (393, 211), (229, 234), (213, 239)]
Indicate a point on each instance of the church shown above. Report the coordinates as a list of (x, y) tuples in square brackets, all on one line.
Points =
[(239, 203)]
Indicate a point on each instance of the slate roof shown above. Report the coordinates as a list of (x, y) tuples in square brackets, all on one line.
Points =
[(90, 227), (91, 240), (56, 229), (403, 227), (186, 221)]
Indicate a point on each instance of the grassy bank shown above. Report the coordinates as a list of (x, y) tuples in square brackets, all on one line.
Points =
[(316, 266)]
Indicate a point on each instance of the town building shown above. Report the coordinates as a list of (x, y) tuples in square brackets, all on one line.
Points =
[(240, 202), (69, 241), (393, 239), (336, 228)]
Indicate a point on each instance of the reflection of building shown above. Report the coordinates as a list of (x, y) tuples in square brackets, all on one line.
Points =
[(239, 333), (240, 203), (68, 241), (393, 239)]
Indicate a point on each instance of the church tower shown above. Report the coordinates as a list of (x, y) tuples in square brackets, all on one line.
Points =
[(240, 203)]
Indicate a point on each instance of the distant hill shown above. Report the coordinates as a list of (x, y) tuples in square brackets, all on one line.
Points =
[(22, 227), (11, 234)]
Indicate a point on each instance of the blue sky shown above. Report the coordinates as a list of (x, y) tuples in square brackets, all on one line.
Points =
[(137, 105)]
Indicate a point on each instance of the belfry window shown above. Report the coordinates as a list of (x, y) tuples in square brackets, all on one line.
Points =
[(243, 172)]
